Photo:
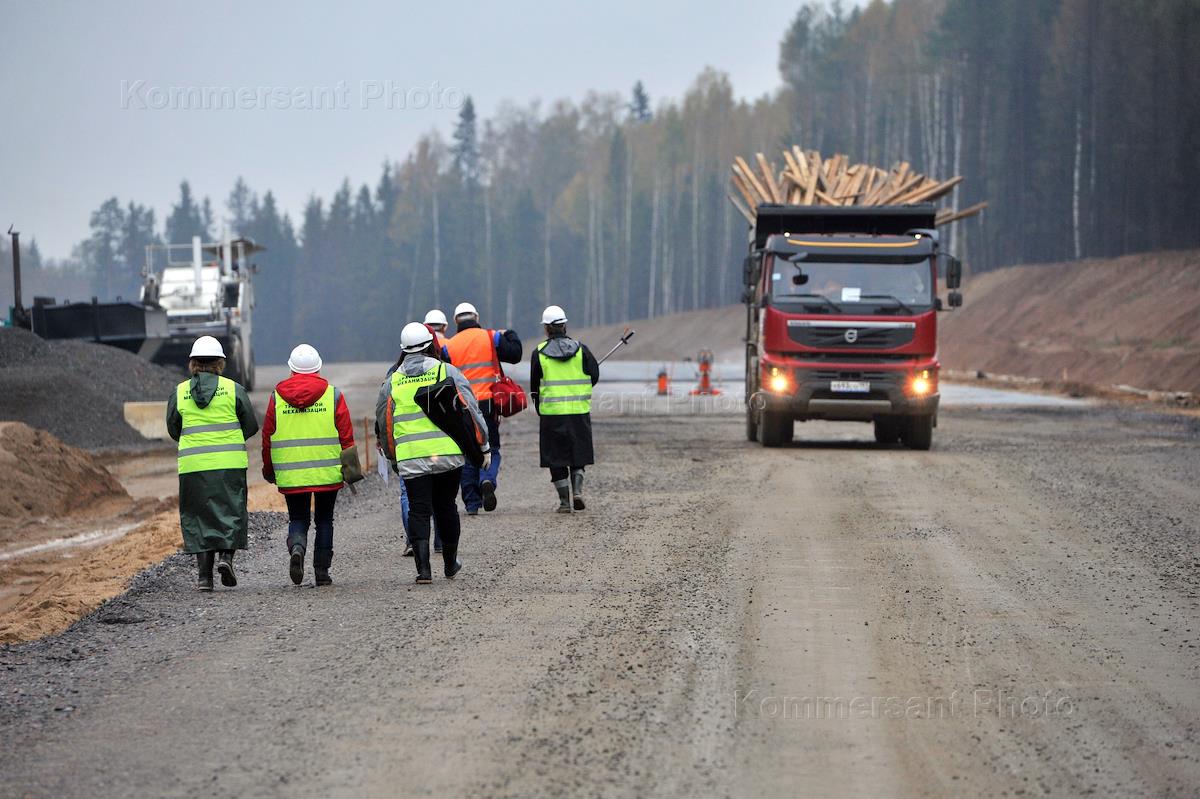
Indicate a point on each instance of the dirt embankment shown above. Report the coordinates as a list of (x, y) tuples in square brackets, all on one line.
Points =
[(71, 536), (674, 337), (1132, 320)]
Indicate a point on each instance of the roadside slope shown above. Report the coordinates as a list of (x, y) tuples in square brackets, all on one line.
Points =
[(1132, 320)]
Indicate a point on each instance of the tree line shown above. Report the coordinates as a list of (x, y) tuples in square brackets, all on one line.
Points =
[(1073, 118)]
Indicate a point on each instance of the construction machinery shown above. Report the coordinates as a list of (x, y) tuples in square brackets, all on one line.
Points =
[(205, 290), (841, 319)]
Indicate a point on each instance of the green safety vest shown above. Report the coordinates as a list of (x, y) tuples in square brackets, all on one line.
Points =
[(305, 449), (565, 388), (212, 436), (413, 434)]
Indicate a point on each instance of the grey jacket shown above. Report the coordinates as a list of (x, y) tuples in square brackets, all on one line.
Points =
[(415, 365)]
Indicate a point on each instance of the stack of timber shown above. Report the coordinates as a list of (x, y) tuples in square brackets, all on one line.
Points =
[(807, 178)]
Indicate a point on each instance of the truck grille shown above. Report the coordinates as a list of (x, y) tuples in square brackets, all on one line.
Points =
[(849, 335)]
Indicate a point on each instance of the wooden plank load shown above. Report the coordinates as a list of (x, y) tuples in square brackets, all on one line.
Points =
[(807, 178)]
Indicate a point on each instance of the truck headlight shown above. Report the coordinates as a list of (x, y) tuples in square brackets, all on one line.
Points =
[(779, 383), (922, 383)]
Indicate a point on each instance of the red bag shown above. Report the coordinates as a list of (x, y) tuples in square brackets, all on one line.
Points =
[(508, 398)]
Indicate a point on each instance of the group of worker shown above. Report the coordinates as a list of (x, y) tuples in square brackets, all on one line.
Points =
[(309, 452)]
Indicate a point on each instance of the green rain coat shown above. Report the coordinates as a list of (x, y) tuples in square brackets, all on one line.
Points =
[(212, 504)]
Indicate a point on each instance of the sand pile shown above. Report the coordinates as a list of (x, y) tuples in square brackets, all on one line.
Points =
[(76, 389), (41, 476)]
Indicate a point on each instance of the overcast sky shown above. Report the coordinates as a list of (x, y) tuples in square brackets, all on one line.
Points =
[(88, 110)]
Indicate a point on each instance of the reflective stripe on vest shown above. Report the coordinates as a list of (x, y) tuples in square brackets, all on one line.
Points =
[(211, 437), (414, 435), (565, 388), (473, 352), (305, 448)]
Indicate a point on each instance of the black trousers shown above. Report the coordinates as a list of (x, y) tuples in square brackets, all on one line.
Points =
[(302, 508), (562, 472), (434, 495)]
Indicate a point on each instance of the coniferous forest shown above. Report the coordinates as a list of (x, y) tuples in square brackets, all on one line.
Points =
[(1076, 119)]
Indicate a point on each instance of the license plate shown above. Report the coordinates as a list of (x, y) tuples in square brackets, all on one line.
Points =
[(850, 386)]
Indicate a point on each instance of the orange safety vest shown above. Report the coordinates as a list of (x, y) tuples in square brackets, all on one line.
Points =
[(473, 352)]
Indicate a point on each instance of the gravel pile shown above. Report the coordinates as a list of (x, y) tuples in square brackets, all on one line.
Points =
[(76, 389)]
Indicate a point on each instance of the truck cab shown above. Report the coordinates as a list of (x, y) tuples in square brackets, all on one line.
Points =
[(842, 308)]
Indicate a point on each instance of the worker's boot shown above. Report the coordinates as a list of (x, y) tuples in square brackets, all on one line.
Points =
[(564, 495), (488, 489), (204, 564), (577, 488), (297, 541), (225, 568), (421, 556), (322, 558), (450, 562)]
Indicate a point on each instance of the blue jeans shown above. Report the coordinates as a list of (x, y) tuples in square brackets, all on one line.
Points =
[(437, 536), (473, 476)]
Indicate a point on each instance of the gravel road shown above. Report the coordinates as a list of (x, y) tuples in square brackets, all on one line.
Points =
[(1013, 613)]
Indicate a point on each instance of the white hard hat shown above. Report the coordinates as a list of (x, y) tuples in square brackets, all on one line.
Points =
[(207, 347), (415, 337), (553, 315), (305, 360), (465, 308), (436, 317)]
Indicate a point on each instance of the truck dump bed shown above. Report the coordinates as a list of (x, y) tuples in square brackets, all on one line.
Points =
[(878, 220)]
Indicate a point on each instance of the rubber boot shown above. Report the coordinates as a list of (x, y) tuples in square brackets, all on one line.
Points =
[(225, 568), (451, 565), (204, 565), (322, 558), (577, 488), (564, 495), (421, 556)]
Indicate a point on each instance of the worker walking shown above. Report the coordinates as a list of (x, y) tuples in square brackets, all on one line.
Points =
[(211, 418), (308, 452), (428, 460), (435, 320), (562, 372), (477, 353)]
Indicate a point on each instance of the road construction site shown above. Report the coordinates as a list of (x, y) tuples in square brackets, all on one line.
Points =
[(1012, 613)]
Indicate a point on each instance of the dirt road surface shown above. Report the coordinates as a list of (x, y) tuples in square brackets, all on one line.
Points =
[(1013, 613)]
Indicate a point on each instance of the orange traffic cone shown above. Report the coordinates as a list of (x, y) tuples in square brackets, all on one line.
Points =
[(705, 386)]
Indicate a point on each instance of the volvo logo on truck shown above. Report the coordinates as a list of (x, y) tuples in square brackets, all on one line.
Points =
[(851, 336)]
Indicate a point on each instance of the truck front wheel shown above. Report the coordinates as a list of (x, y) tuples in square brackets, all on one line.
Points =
[(776, 429), (918, 432), (887, 429)]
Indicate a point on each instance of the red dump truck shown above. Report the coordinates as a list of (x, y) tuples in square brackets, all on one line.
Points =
[(841, 319)]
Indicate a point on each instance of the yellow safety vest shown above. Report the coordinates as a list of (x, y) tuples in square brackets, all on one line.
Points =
[(305, 448), (413, 434), (565, 388), (212, 436)]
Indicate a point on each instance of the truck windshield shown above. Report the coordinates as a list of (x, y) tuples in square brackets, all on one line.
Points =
[(861, 287)]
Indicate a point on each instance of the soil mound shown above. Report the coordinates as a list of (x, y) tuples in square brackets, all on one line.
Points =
[(76, 389), (1132, 320), (42, 476)]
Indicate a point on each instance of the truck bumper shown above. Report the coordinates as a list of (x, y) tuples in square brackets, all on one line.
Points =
[(814, 398)]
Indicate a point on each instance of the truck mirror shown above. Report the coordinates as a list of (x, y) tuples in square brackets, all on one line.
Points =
[(953, 272), (799, 279), (955, 298), (750, 270)]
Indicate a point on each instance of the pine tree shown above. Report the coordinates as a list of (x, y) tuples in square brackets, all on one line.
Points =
[(639, 104), (465, 150)]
